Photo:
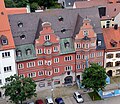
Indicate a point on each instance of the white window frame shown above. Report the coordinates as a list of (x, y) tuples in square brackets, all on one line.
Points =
[(55, 49), (68, 58), (40, 62), (20, 66), (78, 57), (40, 51), (5, 54), (68, 68), (42, 73), (31, 74), (56, 60), (56, 70), (47, 37), (49, 51), (30, 64)]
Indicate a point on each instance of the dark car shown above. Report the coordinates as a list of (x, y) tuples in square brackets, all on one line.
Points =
[(39, 101), (59, 101)]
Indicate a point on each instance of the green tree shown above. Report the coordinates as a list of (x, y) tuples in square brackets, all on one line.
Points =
[(34, 4), (19, 88), (94, 77)]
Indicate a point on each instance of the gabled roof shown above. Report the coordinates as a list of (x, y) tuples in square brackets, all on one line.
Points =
[(111, 36), (112, 9), (72, 21)]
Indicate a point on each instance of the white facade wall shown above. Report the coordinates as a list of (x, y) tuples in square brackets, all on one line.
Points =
[(7, 61), (114, 59)]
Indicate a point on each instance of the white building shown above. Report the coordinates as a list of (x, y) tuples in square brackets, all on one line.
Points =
[(7, 49)]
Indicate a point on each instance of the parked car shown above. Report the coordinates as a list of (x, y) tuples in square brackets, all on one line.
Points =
[(78, 97), (59, 101), (49, 100), (39, 101)]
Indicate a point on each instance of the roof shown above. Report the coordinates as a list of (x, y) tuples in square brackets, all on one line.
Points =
[(72, 21), (111, 35), (5, 28), (112, 9), (16, 10)]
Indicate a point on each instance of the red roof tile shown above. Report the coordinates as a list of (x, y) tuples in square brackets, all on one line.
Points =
[(111, 36)]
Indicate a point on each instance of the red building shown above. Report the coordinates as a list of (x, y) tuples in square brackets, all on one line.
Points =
[(55, 46)]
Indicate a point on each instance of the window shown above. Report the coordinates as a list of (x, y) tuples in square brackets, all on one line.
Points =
[(48, 73), (83, 56), (30, 64), (78, 66), (56, 82), (49, 51), (68, 58), (20, 66), (99, 42), (68, 68), (109, 56), (22, 37), (18, 53), (55, 49), (56, 60), (67, 44), (109, 64), (63, 30), (40, 62), (87, 45), (78, 57), (6, 54), (103, 26), (60, 18), (99, 54), (56, 70), (7, 69), (28, 52), (117, 55), (0, 81), (40, 73), (44, 51), (22, 75), (20, 24), (47, 37), (4, 40), (83, 45), (117, 63), (83, 66), (31, 75), (85, 32), (92, 55), (78, 45), (40, 51), (49, 63)]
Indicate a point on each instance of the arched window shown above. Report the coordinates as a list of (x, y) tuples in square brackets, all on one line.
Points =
[(4, 40), (18, 53), (28, 52)]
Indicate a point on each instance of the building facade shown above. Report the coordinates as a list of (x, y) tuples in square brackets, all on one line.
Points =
[(52, 46), (112, 51)]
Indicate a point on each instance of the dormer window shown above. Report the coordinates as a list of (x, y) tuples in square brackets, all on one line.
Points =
[(85, 32), (67, 44), (113, 43), (63, 30), (28, 52), (99, 42), (60, 18), (19, 53), (47, 37), (4, 40), (20, 24), (22, 37)]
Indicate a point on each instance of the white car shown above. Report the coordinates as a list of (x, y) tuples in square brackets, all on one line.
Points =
[(49, 100), (78, 97)]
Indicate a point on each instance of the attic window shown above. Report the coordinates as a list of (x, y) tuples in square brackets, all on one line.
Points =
[(63, 30), (20, 24), (115, 9), (19, 53), (22, 37), (2, 13), (28, 52), (99, 42), (4, 40), (67, 44), (85, 32), (113, 43), (60, 18)]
